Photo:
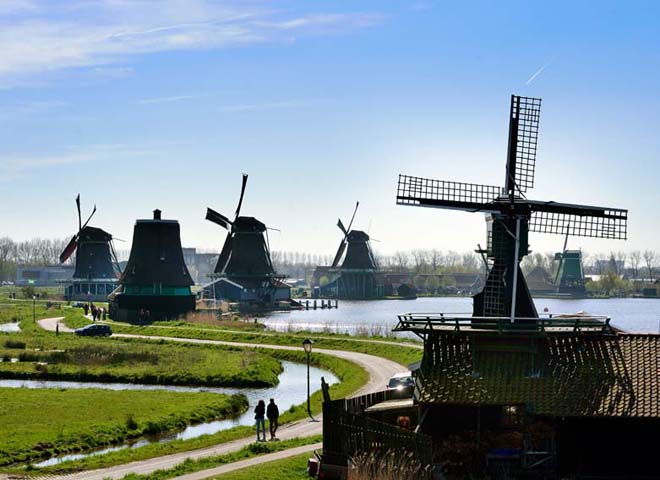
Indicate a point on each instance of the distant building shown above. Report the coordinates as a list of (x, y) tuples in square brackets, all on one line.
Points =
[(43, 276)]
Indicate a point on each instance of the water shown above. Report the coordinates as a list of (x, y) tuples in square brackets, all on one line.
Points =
[(9, 327), (291, 390), (640, 315)]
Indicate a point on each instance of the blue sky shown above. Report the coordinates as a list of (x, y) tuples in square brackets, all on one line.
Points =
[(140, 105)]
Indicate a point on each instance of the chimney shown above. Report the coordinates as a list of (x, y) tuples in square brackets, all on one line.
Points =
[(156, 214)]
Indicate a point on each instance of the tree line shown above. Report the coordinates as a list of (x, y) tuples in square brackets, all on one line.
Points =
[(634, 265)]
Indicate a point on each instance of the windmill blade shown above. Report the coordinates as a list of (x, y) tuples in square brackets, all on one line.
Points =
[(578, 220), (561, 259), (240, 200), (69, 249), (341, 227), (340, 252), (425, 192), (217, 218), (90, 217), (224, 254), (523, 134), (79, 216), (350, 224)]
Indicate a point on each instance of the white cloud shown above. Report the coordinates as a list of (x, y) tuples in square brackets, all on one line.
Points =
[(46, 38), (174, 98), (16, 166), (258, 107)]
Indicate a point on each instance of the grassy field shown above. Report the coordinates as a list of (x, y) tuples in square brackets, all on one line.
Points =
[(352, 377), (40, 423), (43, 355), (293, 468), (387, 349), (252, 450)]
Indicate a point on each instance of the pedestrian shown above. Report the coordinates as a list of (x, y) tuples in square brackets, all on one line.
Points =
[(86, 309), (57, 329), (273, 414), (259, 412)]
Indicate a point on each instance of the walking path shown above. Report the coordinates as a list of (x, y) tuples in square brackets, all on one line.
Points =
[(379, 369)]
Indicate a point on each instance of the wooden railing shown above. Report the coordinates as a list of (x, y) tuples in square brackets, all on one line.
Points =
[(348, 431), (429, 322)]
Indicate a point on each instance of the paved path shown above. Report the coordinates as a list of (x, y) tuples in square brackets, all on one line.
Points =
[(379, 370), (251, 462), (51, 324)]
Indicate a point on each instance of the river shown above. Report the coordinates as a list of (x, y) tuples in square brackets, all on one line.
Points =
[(291, 390), (640, 315)]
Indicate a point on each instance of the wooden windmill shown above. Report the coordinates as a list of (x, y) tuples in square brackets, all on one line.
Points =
[(510, 215)]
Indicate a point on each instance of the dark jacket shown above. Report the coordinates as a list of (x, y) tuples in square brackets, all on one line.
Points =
[(259, 411), (272, 412)]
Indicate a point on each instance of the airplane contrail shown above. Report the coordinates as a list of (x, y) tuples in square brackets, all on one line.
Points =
[(537, 73)]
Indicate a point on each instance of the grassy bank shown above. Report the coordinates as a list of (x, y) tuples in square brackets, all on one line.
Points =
[(389, 349), (252, 450), (293, 468), (351, 376), (41, 423), (44, 355)]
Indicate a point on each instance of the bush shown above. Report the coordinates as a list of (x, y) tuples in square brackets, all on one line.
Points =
[(15, 344), (131, 424)]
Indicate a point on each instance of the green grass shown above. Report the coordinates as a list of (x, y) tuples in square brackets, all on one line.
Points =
[(67, 357), (397, 353), (293, 468), (252, 450), (44, 422), (352, 378)]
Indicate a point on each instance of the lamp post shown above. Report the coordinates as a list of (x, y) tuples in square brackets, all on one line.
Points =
[(307, 346), (34, 308)]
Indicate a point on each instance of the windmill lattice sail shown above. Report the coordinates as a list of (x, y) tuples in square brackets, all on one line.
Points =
[(510, 216)]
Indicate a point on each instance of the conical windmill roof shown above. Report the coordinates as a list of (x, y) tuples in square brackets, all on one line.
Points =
[(156, 255)]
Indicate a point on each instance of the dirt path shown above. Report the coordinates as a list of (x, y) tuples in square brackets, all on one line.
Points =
[(379, 370)]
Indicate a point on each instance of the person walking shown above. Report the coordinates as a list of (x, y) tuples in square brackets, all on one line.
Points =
[(259, 413), (273, 414)]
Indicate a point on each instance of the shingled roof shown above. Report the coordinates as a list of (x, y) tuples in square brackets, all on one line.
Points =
[(569, 375)]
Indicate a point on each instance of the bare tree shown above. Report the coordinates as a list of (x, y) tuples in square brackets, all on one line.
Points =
[(635, 260), (419, 258), (649, 260), (401, 260)]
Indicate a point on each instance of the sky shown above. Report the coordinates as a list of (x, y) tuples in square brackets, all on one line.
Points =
[(139, 104)]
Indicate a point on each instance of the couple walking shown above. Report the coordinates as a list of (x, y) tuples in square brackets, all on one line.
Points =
[(272, 413)]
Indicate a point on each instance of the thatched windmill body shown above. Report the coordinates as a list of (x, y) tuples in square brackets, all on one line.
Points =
[(96, 268), (244, 272), (155, 279)]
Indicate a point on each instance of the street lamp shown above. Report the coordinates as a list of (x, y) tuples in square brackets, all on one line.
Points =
[(34, 308), (307, 346)]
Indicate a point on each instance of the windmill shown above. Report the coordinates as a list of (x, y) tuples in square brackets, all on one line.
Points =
[(96, 267), (510, 215), (356, 276), (156, 279), (245, 259), (569, 277)]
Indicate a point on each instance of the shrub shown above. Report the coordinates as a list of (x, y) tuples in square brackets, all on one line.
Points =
[(131, 424), (15, 344)]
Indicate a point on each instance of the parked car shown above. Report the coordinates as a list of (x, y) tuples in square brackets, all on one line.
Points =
[(94, 330), (401, 381)]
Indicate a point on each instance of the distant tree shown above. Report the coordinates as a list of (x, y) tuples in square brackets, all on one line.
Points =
[(649, 260), (432, 284), (635, 260)]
